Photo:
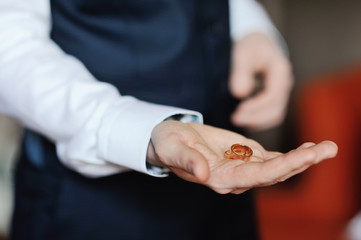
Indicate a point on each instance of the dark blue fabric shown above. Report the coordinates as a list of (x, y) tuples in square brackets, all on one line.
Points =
[(55, 203), (148, 49), (173, 52)]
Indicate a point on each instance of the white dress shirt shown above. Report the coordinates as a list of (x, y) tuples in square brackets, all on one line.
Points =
[(96, 130)]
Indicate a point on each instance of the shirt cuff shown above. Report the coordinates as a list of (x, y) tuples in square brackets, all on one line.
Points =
[(125, 133), (249, 16)]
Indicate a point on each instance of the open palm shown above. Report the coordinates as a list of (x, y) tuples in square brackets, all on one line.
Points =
[(195, 152)]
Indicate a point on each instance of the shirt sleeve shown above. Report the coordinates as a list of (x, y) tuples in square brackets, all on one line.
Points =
[(96, 130), (249, 16)]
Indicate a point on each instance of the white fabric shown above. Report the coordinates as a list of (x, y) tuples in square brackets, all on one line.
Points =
[(96, 130), (248, 16)]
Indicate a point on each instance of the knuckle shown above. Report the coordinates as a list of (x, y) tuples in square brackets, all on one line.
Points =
[(310, 155), (282, 179)]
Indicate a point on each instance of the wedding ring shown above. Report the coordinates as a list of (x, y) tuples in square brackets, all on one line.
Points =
[(239, 151)]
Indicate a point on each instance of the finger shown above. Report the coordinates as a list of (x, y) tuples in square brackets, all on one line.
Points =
[(268, 108), (189, 164), (324, 150), (272, 154), (239, 191), (256, 112), (306, 145), (242, 80), (285, 166), (306, 155), (262, 111), (279, 76)]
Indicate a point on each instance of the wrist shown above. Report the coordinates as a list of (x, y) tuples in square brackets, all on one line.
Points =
[(152, 158)]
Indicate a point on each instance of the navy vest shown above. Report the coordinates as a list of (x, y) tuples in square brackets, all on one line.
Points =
[(172, 52)]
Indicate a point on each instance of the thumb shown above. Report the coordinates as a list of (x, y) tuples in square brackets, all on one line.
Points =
[(241, 81), (190, 164)]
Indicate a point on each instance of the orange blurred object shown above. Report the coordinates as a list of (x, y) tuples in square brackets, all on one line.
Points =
[(239, 151), (319, 203)]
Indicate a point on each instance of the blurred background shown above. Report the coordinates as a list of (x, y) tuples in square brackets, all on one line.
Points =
[(324, 41), (10, 136)]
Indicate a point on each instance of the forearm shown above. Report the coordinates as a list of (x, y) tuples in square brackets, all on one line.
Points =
[(96, 130)]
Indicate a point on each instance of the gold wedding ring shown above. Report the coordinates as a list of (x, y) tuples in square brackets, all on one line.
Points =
[(239, 151)]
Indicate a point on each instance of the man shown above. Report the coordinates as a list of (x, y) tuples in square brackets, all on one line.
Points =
[(62, 65)]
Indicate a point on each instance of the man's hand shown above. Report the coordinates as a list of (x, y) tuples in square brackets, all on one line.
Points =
[(195, 153), (257, 54)]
